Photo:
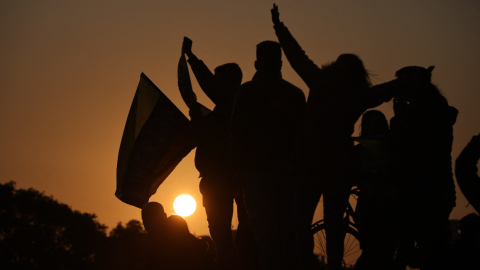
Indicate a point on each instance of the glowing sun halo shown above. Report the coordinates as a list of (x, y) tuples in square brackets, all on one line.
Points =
[(184, 205)]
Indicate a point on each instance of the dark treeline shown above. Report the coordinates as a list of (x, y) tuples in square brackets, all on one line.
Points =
[(38, 232)]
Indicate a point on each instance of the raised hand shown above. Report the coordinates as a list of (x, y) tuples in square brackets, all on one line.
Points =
[(275, 15), (187, 46)]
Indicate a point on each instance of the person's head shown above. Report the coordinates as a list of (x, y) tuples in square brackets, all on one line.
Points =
[(269, 56), (423, 75), (154, 217), (228, 74), (350, 70), (374, 123), (178, 227), (419, 83), (469, 224)]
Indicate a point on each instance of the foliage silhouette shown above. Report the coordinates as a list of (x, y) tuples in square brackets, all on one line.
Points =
[(38, 232)]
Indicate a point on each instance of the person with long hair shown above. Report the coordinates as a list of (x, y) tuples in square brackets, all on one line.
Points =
[(373, 177), (322, 161)]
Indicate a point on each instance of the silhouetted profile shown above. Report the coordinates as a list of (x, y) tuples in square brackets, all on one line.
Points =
[(154, 218), (159, 252), (466, 172), (373, 214), (467, 247), (265, 120), (171, 245), (423, 136), (219, 185), (323, 158), (187, 251)]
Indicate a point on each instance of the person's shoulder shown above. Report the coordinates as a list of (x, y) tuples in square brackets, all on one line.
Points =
[(291, 88), (246, 86)]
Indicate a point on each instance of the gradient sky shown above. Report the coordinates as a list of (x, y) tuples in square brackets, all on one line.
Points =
[(69, 70)]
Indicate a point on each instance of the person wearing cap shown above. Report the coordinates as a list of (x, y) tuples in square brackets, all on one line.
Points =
[(422, 143)]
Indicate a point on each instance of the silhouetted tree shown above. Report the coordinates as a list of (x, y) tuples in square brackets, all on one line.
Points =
[(126, 246), (38, 232)]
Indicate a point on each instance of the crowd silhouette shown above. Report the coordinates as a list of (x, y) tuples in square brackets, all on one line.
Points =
[(274, 153)]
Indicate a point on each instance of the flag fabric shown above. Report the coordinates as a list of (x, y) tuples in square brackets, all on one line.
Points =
[(155, 139)]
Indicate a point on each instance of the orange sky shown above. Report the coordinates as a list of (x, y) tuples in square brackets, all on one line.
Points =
[(69, 70)]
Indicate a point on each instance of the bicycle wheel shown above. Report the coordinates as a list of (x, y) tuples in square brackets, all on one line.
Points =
[(351, 244)]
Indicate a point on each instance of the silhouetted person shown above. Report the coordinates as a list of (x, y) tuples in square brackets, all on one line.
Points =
[(265, 121), (158, 251), (219, 185), (423, 136), (467, 247), (154, 218), (373, 214), (323, 158), (187, 251), (466, 172), (171, 245)]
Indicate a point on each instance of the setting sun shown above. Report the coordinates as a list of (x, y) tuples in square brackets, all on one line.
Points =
[(184, 205)]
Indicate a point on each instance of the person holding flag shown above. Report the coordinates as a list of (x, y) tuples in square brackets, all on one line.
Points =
[(219, 186)]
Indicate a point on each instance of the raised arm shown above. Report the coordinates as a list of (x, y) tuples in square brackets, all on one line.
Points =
[(305, 68), (467, 173), (204, 76)]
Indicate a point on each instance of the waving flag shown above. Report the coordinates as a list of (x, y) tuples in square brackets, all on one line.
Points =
[(155, 139)]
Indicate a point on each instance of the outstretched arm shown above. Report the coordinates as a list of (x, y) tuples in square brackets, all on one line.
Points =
[(204, 76), (467, 173), (378, 94), (305, 68)]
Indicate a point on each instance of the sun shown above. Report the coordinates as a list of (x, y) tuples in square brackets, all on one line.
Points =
[(184, 205)]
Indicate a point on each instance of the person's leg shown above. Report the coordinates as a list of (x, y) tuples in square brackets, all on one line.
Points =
[(306, 198), (263, 196), (432, 238), (374, 221), (219, 211), (244, 239), (335, 202)]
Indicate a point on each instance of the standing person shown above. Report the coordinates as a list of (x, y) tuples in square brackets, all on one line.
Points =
[(423, 137), (219, 186), (265, 121), (323, 158), (373, 174)]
